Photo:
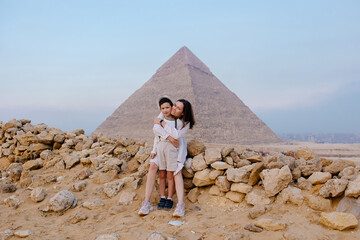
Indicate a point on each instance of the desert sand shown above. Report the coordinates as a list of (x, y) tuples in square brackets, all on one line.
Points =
[(211, 217)]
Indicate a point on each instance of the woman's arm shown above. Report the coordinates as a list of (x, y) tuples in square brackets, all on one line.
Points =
[(175, 133), (159, 131)]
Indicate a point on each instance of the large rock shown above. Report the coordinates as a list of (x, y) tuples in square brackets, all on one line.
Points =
[(270, 224), (349, 173), (238, 175), (290, 195), (33, 164), (333, 188), (71, 160), (255, 173), (198, 163), (353, 188), (241, 187), (223, 184), (212, 155), (220, 165), (338, 220), (275, 180), (304, 153), (195, 147), (308, 167), (338, 165), (319, 177), (61, 202), (202, 178), (257, 196), (15, 170), (318, 203), (143, 154)]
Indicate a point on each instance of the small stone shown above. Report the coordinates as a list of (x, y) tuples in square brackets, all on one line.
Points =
[(319, 177), (101, 178), (33, 164), (38, 194), (214, 190), (255, 158), (193, 195), (84, 173), (303, 184), (126, 197), (219, 165), (338, 220), (318, 203), (112, 189), (156, 236), (23, 233), (116, 210), (236, 236), (229, 161), (79, 186), (12, 201), (258, 197), (7, 188), (112, 236), (61, 202), (270, 224), (257, 211), (225, 151), (349, 173), (241, 187), (235, 156), (7, 234), (71, 160), (235, 196), (252, 228), (308, 167), (77, 217), (93, 204)]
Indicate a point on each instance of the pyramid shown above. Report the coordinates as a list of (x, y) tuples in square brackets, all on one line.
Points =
[(221, 117)]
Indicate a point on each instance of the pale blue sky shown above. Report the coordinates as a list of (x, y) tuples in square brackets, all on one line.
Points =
[(70, 64)]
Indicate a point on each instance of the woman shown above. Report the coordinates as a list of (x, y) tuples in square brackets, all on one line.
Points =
[(181, 110)]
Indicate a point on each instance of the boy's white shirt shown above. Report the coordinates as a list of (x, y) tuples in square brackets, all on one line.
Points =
[(178, 134)]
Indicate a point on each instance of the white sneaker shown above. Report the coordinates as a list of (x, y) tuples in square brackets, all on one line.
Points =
[(146, 207), (179, 210)]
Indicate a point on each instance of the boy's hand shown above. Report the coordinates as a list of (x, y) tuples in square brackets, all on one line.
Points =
[(173, 141), (157, 120), (152, 155)]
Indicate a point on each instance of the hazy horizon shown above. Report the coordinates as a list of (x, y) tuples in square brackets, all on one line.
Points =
[(71, 64)]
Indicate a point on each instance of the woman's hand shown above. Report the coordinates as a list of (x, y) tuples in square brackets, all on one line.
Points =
[(152, 155), (173, 141), (157, 121)]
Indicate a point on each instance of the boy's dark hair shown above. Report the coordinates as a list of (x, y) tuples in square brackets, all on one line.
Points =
[(165, 100), (188, 116)]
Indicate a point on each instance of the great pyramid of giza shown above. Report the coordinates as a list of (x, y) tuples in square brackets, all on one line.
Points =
[(221, 117)]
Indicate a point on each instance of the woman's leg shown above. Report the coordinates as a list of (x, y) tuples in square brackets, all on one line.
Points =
[(150, 181), (179, 185)]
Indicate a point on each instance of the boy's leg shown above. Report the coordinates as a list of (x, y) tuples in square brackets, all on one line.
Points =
[(171, 183), (162, 185)]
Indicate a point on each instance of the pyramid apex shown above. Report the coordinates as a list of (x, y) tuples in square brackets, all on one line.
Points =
[(184, 57)]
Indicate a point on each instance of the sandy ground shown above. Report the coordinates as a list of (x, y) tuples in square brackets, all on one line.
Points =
[(211, 217)]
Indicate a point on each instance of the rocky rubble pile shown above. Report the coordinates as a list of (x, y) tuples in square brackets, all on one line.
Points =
[(119, 165)]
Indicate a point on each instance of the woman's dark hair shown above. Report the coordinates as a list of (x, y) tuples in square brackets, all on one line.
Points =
[(188, 116), (165, 100)]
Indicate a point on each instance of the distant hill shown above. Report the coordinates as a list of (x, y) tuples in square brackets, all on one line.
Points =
[(323, 137)]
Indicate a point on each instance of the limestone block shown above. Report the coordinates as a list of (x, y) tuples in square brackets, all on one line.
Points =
[(308, 167), (220, 165), (212, 155), (215, 173), (333, 188), (338, 165), (201, 178), (290, 195), (195, 147), (223, 184), (225, 151), (270, 224), (198, 163), (349, 173), (353, 188), (319, 177), (241, 187), (61, 202), (238, 175), (255, 173), (275, 180), (193, 195), (304, 153), (338, 220), (257, 196), (235, 196), (318, 203)]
